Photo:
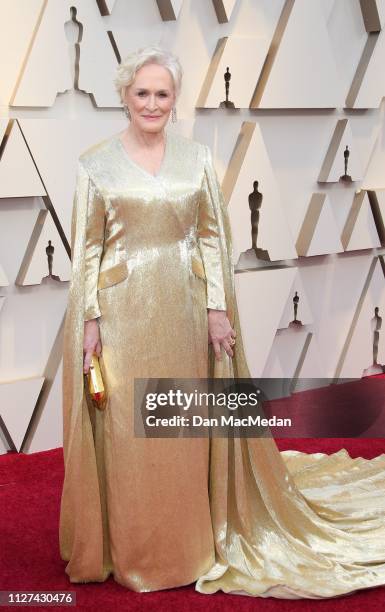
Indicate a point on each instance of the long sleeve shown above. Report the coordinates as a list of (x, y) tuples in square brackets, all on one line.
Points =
[(87, 194), (208, 236)]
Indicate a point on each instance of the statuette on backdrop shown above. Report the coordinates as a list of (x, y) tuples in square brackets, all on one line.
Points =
[(255, 203), (226, 103), (376, 323), (345, 177), (50, 249), (295, 322), (74, 32)]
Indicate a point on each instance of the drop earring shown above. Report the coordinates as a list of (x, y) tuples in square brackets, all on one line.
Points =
[(127, 111), (173, 115)]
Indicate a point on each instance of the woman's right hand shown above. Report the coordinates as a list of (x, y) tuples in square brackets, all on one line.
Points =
[(91, 343)]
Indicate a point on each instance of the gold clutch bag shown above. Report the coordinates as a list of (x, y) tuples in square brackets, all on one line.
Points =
[(95, 383)]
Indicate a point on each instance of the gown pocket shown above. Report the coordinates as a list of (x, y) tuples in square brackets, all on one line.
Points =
[(197, 267), (113, 275)]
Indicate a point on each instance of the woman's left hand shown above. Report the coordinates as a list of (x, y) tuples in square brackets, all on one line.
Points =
[(220, 332)]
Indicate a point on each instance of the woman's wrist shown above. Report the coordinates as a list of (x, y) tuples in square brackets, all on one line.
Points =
[(213, 310)]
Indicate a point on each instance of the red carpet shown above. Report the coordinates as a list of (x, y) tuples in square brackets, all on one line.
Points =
[(30, 488)]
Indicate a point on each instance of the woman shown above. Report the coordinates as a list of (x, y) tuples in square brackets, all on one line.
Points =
[(152, 293)]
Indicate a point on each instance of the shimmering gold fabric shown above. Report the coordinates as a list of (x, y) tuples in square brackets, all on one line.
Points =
[(149, 255)]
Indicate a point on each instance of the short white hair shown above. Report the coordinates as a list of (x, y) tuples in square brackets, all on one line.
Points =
[(153, 54)]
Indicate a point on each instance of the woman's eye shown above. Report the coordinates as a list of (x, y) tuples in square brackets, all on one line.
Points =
[(144, 93)]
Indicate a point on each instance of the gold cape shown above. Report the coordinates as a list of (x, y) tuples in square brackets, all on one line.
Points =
[(230, 514)]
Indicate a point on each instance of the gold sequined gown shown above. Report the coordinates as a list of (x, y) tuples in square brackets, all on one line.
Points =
[(150, 254)]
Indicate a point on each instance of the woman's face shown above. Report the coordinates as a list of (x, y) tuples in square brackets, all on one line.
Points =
[(150, 97)]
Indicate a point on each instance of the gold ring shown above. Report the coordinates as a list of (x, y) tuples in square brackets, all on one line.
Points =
[(232, 342)]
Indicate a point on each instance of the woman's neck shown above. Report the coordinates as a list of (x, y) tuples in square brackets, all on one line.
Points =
[(141, 139)]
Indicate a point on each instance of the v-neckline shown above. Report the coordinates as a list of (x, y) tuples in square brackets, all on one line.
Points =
[(131, 161)]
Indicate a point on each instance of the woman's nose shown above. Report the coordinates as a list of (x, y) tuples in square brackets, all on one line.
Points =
[(151, 102)]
